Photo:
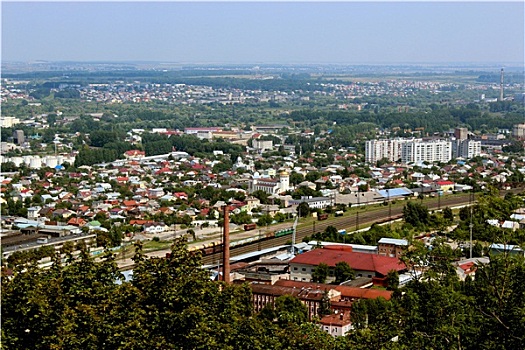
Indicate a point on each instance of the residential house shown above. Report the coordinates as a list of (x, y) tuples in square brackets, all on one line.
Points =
[(134, 154), (154, 193), (337, 325), (154, 227), (252, 203), (33, 213), (62, 213), (445, 186), (79, 222)]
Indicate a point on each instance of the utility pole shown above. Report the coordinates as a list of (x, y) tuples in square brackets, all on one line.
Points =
[(226, 246), (389, 205), (389, 209), (471, 200), (357, 212)]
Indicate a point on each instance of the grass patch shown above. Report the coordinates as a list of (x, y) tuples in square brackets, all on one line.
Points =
[(150, 246)]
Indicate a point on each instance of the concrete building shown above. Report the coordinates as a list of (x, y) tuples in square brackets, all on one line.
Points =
[(465, 148), (461, 133), (18, 137), (6, 147), (9, 122), (426, 151), (518, 131), (378, 149), (262, 146)]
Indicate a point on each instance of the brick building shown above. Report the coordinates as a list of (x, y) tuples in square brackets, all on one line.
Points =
[(364, 265)]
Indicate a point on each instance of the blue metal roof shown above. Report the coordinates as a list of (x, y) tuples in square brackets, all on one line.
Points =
[(395, 192)]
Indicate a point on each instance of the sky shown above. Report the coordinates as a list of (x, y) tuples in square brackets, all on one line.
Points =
[(264, 32)]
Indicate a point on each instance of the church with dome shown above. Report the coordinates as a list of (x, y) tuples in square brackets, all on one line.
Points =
[(272, 186)]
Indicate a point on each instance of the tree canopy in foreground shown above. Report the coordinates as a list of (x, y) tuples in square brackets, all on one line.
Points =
[(172, 303)]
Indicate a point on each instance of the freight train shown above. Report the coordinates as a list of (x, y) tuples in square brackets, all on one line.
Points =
[(217, 246)]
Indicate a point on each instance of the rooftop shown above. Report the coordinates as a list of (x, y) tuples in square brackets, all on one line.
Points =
[(357, 261)]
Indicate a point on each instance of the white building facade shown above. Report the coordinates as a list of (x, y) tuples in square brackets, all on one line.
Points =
[(466, 148), (426, 151), (271, 186), (378, 149)]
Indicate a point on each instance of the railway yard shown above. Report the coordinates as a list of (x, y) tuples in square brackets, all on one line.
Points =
[(262, 238)]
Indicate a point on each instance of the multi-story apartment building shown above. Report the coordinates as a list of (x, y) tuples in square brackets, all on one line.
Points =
[(466, 148), (461, 133), (426, 151), (518, 131), (389, 149)]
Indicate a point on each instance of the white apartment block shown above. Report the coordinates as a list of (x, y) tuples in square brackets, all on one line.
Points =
[(378, 149), (426, 151), (466, 148), (263, 145), (9, 122)]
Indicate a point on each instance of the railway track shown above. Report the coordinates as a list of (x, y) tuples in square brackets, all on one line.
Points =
[(363, 218)]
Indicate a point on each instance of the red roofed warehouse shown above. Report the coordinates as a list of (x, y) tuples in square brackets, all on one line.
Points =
[(364, 265)]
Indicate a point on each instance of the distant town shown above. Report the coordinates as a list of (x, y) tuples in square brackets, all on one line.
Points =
[(357, 168)]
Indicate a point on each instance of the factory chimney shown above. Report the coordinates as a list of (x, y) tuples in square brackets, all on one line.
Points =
[(501, 86), (226, 246)]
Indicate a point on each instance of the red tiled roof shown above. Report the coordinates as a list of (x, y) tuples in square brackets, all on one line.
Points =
[(140, 222), (468, 267), (444, 183), (135, 152), (76, 221), (339, 320), (357, 261), (346, 291)]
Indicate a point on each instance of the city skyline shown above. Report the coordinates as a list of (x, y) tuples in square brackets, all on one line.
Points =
[(269, 32)]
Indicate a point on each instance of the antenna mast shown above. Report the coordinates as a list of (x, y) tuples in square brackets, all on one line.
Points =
[(501, 85)]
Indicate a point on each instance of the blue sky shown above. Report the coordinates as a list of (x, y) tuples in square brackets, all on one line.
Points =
[(265, 32)]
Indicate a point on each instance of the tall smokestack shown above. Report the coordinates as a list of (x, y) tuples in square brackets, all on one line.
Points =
[(226, 247), (501, 85)]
